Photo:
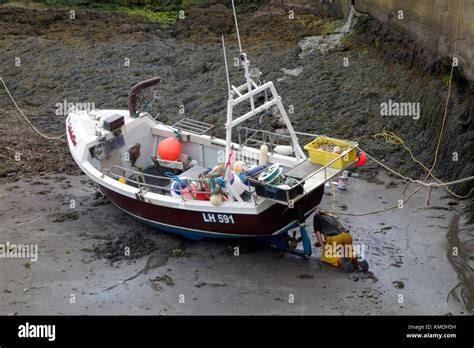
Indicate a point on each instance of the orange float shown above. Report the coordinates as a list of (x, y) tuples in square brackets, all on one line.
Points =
[(169, 149)]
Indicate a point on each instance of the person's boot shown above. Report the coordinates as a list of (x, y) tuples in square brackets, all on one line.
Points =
[(363, 265), (347, 264)]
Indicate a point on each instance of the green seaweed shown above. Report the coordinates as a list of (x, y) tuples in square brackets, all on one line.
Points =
[(163, 12)]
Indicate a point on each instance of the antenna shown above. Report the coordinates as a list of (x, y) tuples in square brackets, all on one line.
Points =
[(226, 69), (236, 26)]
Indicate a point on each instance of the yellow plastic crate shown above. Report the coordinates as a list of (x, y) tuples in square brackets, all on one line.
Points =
[(319, 156)]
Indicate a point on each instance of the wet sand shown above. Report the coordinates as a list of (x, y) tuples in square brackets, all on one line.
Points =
[(80, 255)]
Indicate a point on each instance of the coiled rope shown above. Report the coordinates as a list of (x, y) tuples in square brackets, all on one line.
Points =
[(392, 138)]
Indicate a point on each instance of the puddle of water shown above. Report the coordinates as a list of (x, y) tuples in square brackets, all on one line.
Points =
[(460, 259)]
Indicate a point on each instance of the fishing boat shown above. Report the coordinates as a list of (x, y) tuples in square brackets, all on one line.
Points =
[(181, 178)]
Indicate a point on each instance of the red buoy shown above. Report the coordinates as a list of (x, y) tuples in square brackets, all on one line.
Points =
[(362, 160), (170, 149)]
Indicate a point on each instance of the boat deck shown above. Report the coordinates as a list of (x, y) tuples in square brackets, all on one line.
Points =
[(313, 175), (303, 169), (319, 178)]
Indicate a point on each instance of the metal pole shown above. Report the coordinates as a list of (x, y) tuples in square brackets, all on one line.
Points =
[(236, 26), (226, 68)]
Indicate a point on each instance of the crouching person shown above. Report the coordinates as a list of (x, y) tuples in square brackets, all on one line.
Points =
[(336, 243)]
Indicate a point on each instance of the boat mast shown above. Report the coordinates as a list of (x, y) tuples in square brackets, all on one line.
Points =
[(246, 91), (245, 62), (228, 137)]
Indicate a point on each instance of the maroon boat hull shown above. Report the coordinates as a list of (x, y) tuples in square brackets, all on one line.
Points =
[(196, 224)]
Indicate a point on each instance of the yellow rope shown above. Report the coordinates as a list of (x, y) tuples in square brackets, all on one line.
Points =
[(394, 139), (469, 178), (455, 49), (403, 201)]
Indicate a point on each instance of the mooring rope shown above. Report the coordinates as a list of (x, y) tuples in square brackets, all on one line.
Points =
[(455, 49), (392, 138), (26, 118), (419, 182)]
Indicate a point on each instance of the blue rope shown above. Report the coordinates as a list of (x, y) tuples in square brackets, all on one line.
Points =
[(219, 181), (172, 176), (182, 182)]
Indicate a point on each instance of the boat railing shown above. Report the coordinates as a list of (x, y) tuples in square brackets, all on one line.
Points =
[(250, 136), (193, 126), (323, 169), (246, 136), (137, 178), (343, 155), (142, 185)]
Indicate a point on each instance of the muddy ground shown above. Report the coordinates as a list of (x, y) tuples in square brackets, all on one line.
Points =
[(84, 60), (81, 253)]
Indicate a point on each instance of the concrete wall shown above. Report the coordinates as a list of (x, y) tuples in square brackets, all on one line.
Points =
[(432, 23)]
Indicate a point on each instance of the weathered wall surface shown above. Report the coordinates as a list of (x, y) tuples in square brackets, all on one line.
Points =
[(431, 23)]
